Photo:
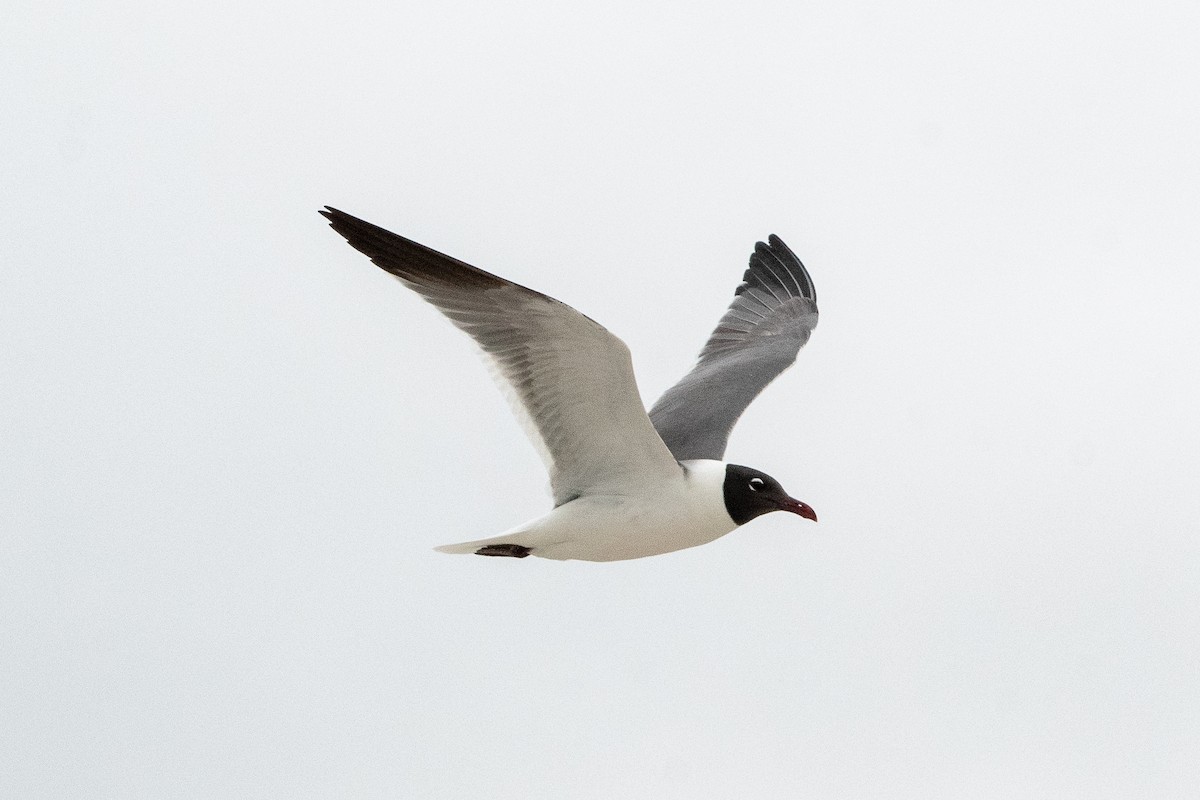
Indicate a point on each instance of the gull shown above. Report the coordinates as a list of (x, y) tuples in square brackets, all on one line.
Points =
[(626, 484)]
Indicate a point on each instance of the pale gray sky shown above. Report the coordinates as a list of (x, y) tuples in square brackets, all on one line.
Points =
[(228, 442)]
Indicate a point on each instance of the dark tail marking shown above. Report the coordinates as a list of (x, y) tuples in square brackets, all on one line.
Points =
[(510, 550)]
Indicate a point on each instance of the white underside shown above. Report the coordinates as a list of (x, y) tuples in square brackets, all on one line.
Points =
[(686, 511)]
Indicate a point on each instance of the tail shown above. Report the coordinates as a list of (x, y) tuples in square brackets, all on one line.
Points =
[(463, 548), (496, 546)]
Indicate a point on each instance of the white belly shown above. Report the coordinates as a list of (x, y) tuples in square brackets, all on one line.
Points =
[(642, 534), (687, 513)]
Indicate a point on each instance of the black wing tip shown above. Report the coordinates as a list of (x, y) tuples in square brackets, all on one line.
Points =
[(765, 262), (775, 246), (404, 258), (362, 234), (344, 223)]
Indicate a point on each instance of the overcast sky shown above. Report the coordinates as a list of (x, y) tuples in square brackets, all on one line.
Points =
[(228, 443)]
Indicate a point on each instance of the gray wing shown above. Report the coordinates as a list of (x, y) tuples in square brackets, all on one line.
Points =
[(570, 380), (772, 315)]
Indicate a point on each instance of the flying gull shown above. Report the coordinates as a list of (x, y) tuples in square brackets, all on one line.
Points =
[(626, 484)]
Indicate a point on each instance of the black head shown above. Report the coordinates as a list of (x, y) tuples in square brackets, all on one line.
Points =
[(750, 493)]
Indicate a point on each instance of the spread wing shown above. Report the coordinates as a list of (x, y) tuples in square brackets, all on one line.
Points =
[(772, 315), (570, 380)]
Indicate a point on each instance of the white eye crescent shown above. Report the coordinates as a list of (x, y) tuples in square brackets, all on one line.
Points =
[(756, 484)]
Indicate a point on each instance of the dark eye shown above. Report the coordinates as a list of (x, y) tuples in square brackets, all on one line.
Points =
[(756, 484)]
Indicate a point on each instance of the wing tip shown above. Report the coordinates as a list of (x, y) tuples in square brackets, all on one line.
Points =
[(409, 260), (344, 223), (775, 251)]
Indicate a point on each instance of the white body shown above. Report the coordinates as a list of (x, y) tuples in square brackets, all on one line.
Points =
[(684, 511)]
